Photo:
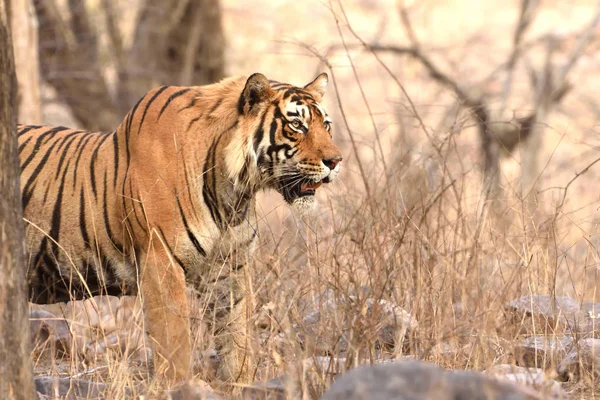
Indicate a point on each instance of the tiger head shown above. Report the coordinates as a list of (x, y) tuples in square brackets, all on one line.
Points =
[(288, 137)]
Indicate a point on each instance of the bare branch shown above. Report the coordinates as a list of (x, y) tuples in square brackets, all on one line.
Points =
[(525, 18), (413, 108), (584, 39), (491, 161), (435, 72), (362, 92)]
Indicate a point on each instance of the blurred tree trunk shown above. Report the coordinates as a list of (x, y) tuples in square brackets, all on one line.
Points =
[(16, 378), (177, 42), (69, 62), (25, 43)]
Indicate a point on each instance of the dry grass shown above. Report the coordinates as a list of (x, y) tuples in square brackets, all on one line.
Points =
[(422, 237)]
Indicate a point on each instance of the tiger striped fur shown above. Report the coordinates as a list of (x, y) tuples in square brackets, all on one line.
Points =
[(168, 199)]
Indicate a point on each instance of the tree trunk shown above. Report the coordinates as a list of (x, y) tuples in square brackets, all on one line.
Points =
[(175, 43), (25, 43), (69, 62), (16, 378)]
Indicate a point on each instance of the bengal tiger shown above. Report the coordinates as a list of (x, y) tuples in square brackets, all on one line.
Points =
[(168, 199)]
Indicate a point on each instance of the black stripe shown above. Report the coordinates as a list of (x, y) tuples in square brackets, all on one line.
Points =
[(64, 154), (241, 103), (64, 139), (84, 139), (116, 148), (177, 259), (38, 144), (158, 92), (128, 125), (170, 99), (190, 234), (258, 135), (109, 231), (48, 186), (56, 216), (188, 185), (290, 91), (276, 115), (22, 145), (208, 195), (28, 189), (217, 104), (192, 122), (93, 164), (82, 223), (127, 151), (192, 103), (27, 128), (135, 205)]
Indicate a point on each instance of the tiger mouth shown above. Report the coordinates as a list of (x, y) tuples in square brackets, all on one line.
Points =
[(295, 188)]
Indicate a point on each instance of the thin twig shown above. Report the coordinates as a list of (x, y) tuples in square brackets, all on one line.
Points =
[(362, 92)]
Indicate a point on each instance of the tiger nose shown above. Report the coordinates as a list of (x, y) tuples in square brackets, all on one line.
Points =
[(332, 162)]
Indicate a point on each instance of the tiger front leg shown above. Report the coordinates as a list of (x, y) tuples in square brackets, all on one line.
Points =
[(166, 311), (232, 308)]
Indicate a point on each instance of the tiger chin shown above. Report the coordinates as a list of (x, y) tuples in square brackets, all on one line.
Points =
[(168, 200)]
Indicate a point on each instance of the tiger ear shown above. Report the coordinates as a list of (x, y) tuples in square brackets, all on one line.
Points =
[(318, 86), (257, 91)]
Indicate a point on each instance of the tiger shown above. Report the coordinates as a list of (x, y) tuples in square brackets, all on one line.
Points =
[(168, 200)]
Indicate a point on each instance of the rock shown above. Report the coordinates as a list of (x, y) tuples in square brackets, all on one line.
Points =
[(584, 358), (326, 328), (331, 366), (591, 310), (273, 389), (411, 380), (588, 322), (72, 389), (94, 316), (123, 343), (446, 351), (543, 313), (396, 321), (49, 332), (94, 326), (543, 351), (533, 377), (129, 312), (192, 390)]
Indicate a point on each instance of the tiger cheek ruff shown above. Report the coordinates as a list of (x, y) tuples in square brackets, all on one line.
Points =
[(168, 200)]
